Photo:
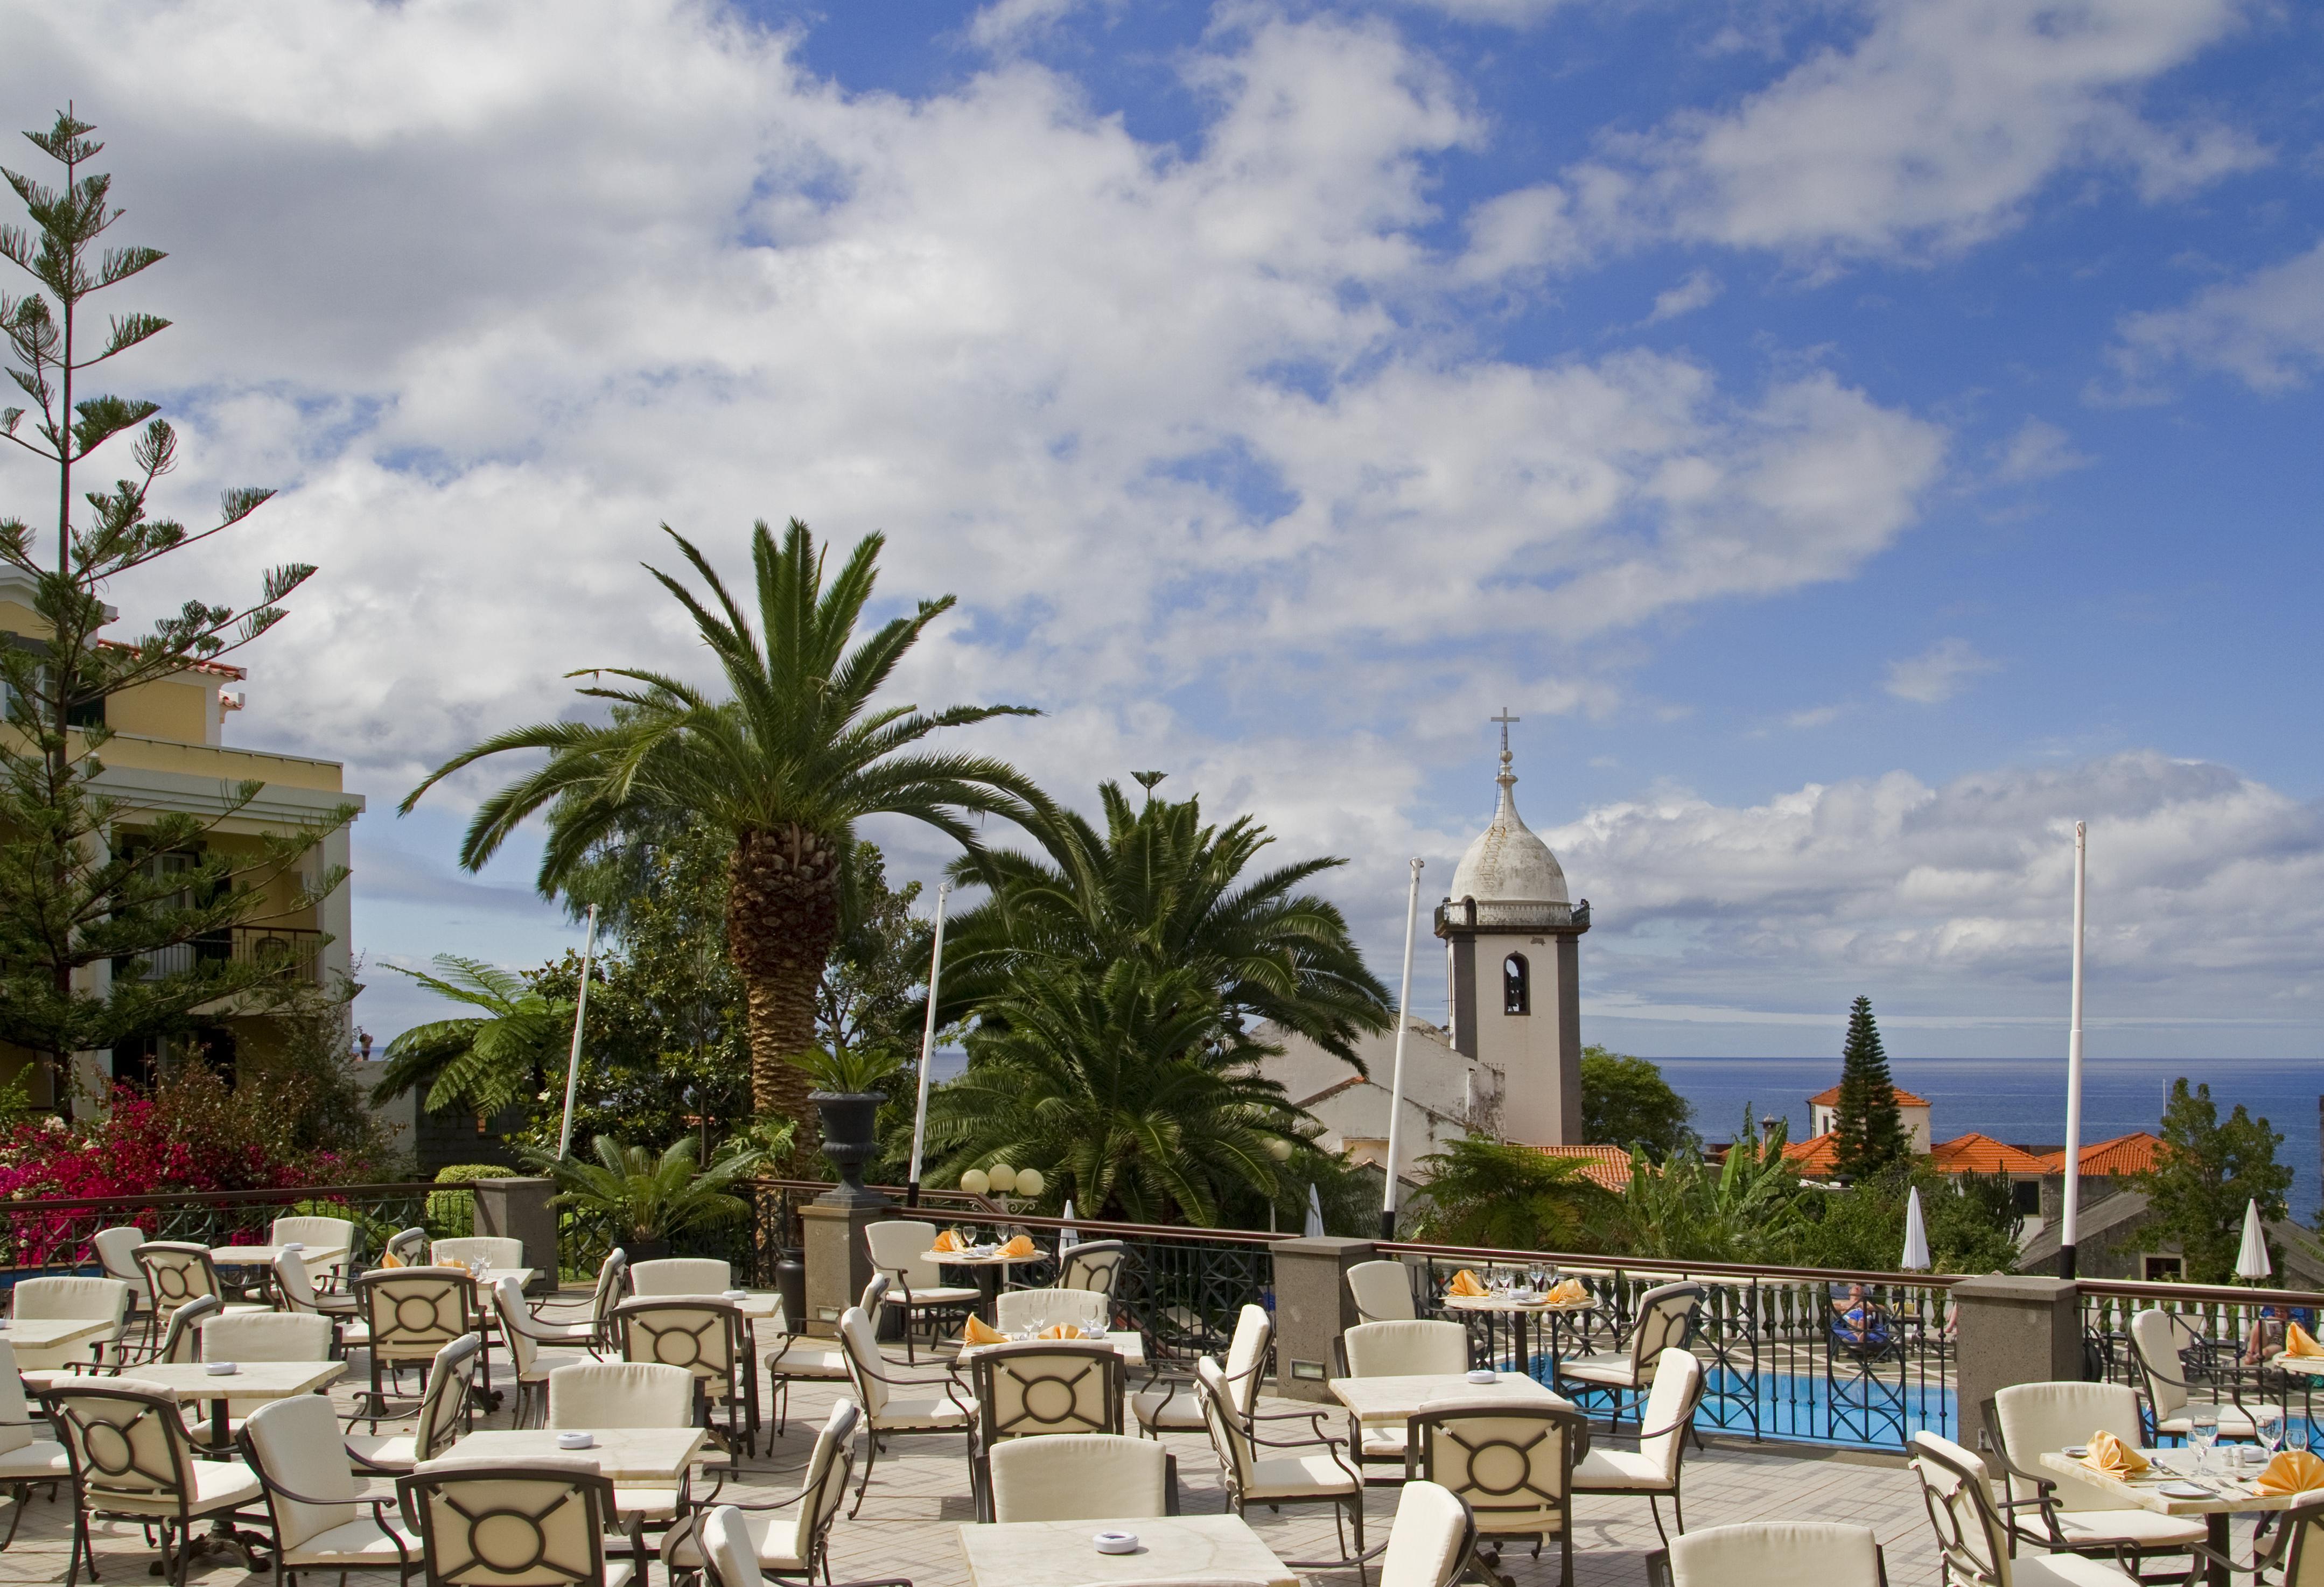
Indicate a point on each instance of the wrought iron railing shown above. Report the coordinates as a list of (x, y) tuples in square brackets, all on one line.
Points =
[(47, 1237), (295, 952), (2230, 1338)]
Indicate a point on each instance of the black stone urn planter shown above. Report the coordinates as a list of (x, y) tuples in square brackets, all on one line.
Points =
[(849, 1139)]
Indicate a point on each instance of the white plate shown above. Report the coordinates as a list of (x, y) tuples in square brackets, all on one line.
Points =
[(2185, 1490), (2076, 1451)]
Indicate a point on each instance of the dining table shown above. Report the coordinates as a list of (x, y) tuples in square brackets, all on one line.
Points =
[(2226, 1490), (991, 1266), (1128, 1343), (1062, 1553), (47, 1332), (1521, 1307)]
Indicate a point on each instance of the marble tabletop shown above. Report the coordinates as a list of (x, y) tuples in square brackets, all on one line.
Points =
[(1395, 1400), (42, 1333), (1059, 1554), (626, 1454), (1128, 1343), (253, 1380), (263, 1256), (2228, 1490)]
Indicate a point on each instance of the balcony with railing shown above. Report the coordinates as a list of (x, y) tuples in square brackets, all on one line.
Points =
[(293, 952)]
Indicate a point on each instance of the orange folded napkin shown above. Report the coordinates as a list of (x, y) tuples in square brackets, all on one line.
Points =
[(944, 1242), (1464, 1283), (2111, 1455), (977, 1333), (2299, 1340), (2295, 1471), (1064, 1331), (391, 1261), (1021, 1246), (453, 1261), (1565, 1292)]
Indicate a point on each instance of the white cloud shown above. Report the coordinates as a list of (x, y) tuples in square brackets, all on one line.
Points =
[(1820, 716), (1699, 291), (2039, 450), (1006, 23), (1938, 672), (1932, 130), (2204, 896), (2267, 329)]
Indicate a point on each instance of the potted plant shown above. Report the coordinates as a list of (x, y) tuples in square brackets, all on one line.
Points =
[(847, 1098), (652, 1199)]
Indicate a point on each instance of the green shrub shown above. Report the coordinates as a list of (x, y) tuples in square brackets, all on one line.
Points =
[(452, 1214)]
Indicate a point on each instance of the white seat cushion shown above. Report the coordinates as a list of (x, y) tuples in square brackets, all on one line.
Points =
[(2234, 1422), (772, 1534), (1159, 1409), (809, 1358), (911, 1414), (656, 1504), (619, 1572), (1612, 1368), (356, 1545), (2141, 1528), (2063, 1570), (945, 1295), (1623, 1471), (1385, 1441), (30, 1463), (1305, 1476), (396, 1451), (548, 1361), (218, 1485)]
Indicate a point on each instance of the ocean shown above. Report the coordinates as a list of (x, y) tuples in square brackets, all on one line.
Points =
[(2023, 1100)]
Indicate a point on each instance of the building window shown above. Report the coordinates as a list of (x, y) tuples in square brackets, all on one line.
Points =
[(1517, 985), (2165, 1269)]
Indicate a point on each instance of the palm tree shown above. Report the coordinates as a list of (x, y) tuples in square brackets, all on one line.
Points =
[(1158, 884), (649, 1197), (1509, 1198), (482, 1061), (1747, 1208), (787, 766), (1124, 1088)]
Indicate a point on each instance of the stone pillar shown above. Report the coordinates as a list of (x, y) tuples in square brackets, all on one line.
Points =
[(1313, 1307), (2012, 1330), (838, 1259), (519, 1209)]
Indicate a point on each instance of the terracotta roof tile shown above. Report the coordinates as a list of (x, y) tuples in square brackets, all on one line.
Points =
[(1813, 1156), (2125, 1154), (1609, 1166), (1981, 1154), (1830, 1098)]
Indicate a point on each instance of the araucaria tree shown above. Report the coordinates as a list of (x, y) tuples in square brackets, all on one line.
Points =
[(2206, 1173), (786, 765), (1867, 1128), (87, 877)]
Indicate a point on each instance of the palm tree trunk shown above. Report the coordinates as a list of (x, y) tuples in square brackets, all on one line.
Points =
[(783, 917)]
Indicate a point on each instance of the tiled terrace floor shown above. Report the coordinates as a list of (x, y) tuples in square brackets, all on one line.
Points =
[(919, 1498)]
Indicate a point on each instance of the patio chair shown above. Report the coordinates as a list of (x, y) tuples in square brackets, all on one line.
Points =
[(530, 1363), (299, 1294), (1178, 1406), (707, 1337), (26, 1454), (72, 1299), (885, 1412), (319, 1234), (1512, 1466), (1253, 1478), (408, 1246), (801, 1357), (1080, 1477), (1431, 1540), (1044, 1389), (1770, 1554), (1423, 1347), (1095, 1265), (132, 1461), (542, 1524), (259, 1336), (323, 1518), (727, 1537), (2068, 1514), (2160, 1343), (788, 1545), (115, 1250), (495, 1250), (443, 1407), (681, 1275), (412, 1313), (181, 1341), (1088, 1309), (2296, 1554), (626, 1394), (1973, 1541), (1666, 1321), (178, 1271), (1382, 1291), (612, 1284), (1653, 1468), (915, 1288)]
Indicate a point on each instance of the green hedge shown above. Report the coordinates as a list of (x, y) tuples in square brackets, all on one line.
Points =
[(452, 1214)]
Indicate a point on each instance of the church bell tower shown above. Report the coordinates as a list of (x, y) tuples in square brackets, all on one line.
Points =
[(1512, 941)]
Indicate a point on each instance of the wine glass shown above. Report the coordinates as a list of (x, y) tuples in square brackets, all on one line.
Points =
[(2295, 1433), (2203, 1432), (2267, 1422)]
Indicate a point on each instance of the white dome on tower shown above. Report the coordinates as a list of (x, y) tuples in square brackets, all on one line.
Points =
[(1507, 864)]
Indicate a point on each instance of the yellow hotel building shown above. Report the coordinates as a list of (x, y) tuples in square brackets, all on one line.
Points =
[(169, 752)]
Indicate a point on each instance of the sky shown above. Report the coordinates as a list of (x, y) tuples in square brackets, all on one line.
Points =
[(1857, 438)]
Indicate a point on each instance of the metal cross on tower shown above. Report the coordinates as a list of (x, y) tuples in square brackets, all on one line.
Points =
[(1505, 718)]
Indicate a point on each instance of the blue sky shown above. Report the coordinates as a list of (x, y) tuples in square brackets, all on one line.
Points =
[(1858, 439)]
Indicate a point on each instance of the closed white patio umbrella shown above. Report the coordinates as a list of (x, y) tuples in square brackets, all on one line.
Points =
[(1916, 1237), (1068, 1237), (1314, 1230), (2251, 1261)]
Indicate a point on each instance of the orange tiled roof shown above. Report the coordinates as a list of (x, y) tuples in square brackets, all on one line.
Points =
[(2125, 1154), (1813, 1156), (217, 669), (1981, 1154), (1830, 1098), (1609, 1166)]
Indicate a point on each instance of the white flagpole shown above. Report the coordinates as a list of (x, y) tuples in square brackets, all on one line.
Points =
[(580, 1013), (1396, 1088), (928, 1050), (2068, 1224)]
